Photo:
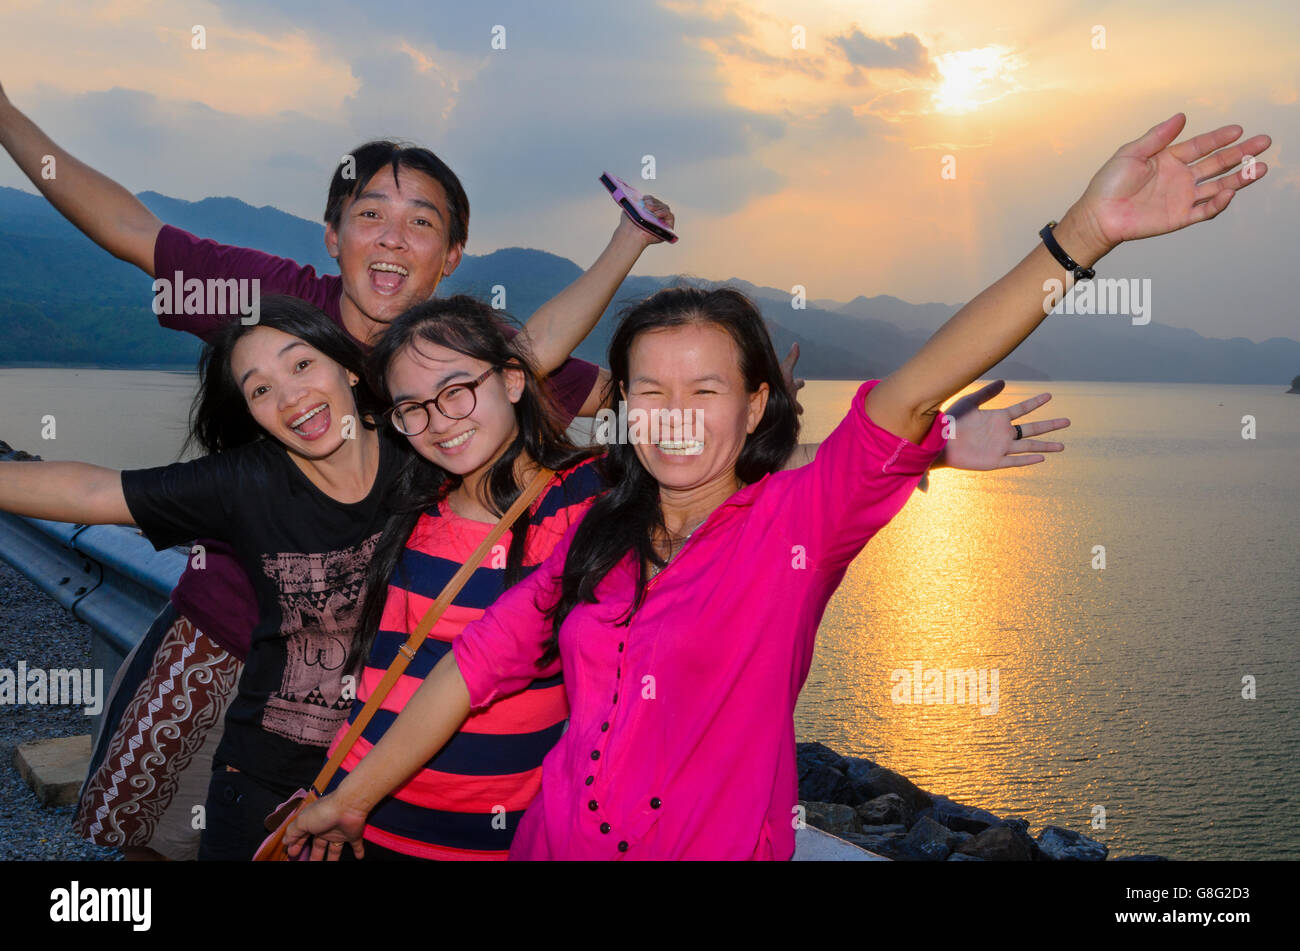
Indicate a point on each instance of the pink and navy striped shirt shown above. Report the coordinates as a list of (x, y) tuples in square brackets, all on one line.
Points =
[(681, 733), (466, 802)]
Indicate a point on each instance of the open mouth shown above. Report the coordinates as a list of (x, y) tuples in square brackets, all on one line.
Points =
[(682, 447), (456, 442), (313, 423), (387, 277)]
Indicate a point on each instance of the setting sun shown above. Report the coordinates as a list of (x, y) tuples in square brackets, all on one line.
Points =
[(972, 78)]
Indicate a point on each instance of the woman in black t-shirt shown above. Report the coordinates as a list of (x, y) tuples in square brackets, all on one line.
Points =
[(298, 484)]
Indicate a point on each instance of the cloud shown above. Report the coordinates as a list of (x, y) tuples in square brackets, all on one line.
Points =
[(190, 150), (839, 122), (579, 87), (734, 46), (904, 52)]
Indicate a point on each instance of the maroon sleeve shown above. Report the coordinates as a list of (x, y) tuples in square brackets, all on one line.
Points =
[(571, 384), (179, 257), (218, 599)]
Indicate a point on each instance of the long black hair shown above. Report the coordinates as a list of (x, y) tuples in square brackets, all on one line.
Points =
[(219, 416), (465, 325), (628, 516)]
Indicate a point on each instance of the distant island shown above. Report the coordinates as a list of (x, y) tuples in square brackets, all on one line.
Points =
[(97, 311), (1295, 385)]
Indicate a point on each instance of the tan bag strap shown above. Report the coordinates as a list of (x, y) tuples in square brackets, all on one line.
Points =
[(406, 653)]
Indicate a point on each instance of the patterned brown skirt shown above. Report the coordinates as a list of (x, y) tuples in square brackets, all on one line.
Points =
[(155, 767)]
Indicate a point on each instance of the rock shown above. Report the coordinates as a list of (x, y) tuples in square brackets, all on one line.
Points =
[(959, 818), (819, 782), (999, 844), (1141, 858), (807, 754), (884, 829), (1066, 845), (890, 846), (886, 813), (56, 767), (821, 774), (835, 818), (1021, 828), (870, 781), (885, 810), (867, 842), (930, 839), (861, 762)]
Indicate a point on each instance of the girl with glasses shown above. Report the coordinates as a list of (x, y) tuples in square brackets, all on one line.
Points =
[(468, 403)]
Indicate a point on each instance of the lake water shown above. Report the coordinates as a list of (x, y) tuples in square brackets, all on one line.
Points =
[(1119, 689)]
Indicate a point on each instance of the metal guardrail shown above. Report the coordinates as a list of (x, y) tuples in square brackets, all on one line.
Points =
[(107, 575)]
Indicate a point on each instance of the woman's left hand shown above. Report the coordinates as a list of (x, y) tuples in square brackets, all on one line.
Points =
[(1150, 187), (324, 827), (986, 439)]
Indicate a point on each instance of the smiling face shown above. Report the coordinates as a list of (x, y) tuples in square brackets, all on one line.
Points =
[(464, 447), (293, 391), (693, 367), (392, 247)]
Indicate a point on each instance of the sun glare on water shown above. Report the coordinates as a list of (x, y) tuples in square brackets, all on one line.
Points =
[(972, 78)]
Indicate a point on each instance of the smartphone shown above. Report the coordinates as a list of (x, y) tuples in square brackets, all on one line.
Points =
[(631, 201)]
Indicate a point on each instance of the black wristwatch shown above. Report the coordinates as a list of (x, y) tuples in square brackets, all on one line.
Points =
[(1063, 259)]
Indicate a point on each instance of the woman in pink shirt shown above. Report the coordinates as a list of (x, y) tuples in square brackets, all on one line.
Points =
[(684, 606)]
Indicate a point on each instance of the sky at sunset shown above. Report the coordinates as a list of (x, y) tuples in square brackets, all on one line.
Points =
[(816, 163)]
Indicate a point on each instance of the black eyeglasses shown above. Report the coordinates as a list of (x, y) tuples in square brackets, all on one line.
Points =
[(456, 401)]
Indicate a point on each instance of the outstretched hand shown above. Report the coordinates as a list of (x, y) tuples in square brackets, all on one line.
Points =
[(986, 439), (1150, 187)]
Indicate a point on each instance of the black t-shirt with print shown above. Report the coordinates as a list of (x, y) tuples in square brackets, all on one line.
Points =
[(306, 555)]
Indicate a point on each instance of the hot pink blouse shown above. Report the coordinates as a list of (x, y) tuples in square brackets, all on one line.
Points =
[(681, 741)]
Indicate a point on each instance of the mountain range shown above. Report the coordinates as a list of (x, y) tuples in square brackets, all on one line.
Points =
[(63, 300)]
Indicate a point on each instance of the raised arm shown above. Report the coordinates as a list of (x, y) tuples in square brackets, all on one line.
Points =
[(1147, 188), (102, 209), (64, 492), (558, 326)]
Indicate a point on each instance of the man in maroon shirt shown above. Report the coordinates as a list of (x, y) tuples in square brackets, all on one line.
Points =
[(396, 221)]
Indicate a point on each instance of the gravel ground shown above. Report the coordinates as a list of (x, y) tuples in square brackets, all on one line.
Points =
[(34, 628)]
